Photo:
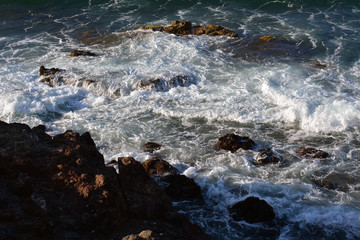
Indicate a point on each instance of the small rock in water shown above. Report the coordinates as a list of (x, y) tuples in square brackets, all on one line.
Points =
[(163, 85), (159, 167), (266, 156), (52, 77), (49, 71), (252, 210), (77, 53), (324, 183), (311, 153), (233, 142), (151, 147)]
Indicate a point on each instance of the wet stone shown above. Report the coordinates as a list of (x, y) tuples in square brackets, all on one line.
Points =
[(311, 153), (233, 142)]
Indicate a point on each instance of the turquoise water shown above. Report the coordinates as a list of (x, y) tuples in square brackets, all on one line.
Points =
[(303, 93)]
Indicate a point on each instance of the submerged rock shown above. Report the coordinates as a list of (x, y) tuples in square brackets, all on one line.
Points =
[(52, 76), (266, 156), (311, 153), (324, 183), (159, 167), (233, 142), (44, 180), (252, 210), (76, 53), (186, 28)]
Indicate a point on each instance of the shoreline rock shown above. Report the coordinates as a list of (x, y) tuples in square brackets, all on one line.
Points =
[(311, 153), (59, 188), (186, 28), (233, 142)]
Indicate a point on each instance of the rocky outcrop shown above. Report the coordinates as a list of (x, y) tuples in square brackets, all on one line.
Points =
[(76, 53), (159, 167), (266, 156), (59, 188), (252, 210), (233, 142), (51, 76), (163, 85), (180, 187), (151, 147), (311, 153), (186, 28)]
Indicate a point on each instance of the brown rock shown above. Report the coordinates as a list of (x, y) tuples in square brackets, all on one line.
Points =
[(76, 53), (151, 146), (252, 210), (233, 142), (186, 28), (311, 153), (324, 183), (266, 156), (158, 167)]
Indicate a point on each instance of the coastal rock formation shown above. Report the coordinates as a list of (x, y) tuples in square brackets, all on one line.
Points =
[(59, 188), (159, 167), (52, 76), (163, 85), (233, 142), (186, 28), (324, 183), (76, 53), (266, 156), (181, 187), (252, 210), (151, 147), (311, 153)]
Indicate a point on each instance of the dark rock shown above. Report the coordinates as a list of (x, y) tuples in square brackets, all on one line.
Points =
[(252, 210), (140, 194), (76, 53), (186, 28), (163, 85), (311, 153), (151, 146), (158, 167), (44, 180), (52, 76), (233, 142), (266, 156), (324, 183), (181, 187), (49, 71)]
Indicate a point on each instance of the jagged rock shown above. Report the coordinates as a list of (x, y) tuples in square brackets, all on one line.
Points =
[(140, 193), (233, 142), (52, 76), (76, 53), (158, 167), (266, 156), (49, 71), (44, 180), (181, 187), (324, 183), (252, 210), (163, 85), (186, 28), (151, 146), (146, 235), (311, 153)]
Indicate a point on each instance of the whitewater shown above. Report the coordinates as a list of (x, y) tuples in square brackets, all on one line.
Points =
[(304, 93)]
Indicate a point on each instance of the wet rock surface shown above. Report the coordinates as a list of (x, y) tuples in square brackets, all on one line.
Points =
[(181, 187), (266, 156), (151, 147), (59, 188), (186, 28), (233, 142), (159, 167), (76, 53), (252, 210), (162, 84), (311, 153)]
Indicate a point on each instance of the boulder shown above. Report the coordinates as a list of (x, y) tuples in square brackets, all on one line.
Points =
[(45, 180), (252, 210), (233, 142), (151, 147), (163, 85), (311, 153), (266, 156), (158, 167), (76, 53), (186, 28), (52, 76), (324, 183), (180, 187)]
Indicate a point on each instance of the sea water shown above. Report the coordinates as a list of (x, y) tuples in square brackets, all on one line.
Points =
[(307, 95)]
